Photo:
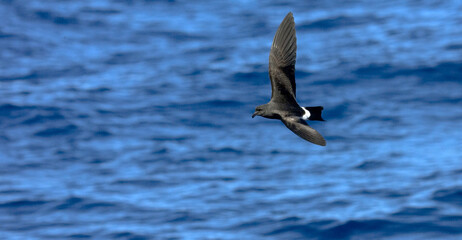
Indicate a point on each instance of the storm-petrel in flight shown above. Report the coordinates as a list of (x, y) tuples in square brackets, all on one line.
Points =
[(283, 104)]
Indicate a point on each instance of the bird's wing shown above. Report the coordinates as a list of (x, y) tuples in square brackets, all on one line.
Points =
[(282, 62), (303, 130)]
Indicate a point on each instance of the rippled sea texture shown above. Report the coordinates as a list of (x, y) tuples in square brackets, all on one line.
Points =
[(131, 120)]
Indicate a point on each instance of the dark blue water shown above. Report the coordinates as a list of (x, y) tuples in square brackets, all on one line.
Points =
[(126, 119)]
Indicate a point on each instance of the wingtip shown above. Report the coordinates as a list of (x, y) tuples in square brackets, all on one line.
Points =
[(321, 143), (290, 15)]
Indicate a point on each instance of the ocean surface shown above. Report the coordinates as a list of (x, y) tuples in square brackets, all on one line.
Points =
[(125, 119)]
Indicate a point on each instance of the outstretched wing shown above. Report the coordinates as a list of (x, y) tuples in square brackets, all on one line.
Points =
[(282, 62), (303, 130)]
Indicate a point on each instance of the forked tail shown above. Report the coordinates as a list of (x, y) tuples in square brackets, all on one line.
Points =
[(315, 113)]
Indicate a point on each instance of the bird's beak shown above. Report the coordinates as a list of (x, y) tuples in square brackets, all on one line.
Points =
[(254, 114)]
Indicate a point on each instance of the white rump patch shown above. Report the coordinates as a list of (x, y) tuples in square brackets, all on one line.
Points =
[(306, 115)]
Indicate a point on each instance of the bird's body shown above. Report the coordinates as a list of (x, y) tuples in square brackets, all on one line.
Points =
[(283, 104)]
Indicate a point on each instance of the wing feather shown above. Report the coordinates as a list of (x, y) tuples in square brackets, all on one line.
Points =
[(303, 130), (282, 62)]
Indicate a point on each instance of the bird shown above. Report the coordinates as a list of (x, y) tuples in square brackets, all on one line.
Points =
[(283, 104)]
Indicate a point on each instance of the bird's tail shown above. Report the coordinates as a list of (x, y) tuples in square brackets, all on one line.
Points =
[(315, 113)]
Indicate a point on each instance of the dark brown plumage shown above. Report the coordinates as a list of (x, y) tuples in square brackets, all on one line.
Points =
[(283, 104)]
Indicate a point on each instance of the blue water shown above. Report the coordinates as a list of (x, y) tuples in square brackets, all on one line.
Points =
[(123, 119)]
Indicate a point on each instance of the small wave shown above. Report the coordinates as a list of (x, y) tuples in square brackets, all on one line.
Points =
[(412, 212), (216, 103), (171, 138), (29, 114), (379, 71), (214, 178), (369, 165), (255, 77), (185, 217), (23, 203), (83, 204), (11, 110), (431, 176), (101, 11), (79, 236), (443, 72), (454, 46), (381, 228), (295, 231), (23, 206), (99, 206), (222, 103), (6, 35), (361, 229), (57, 131), (160, 151), (175, 36), (384, 193), (55, 18), (41, 118), (139, 182), (122, 58), (391, 119), (336, 112), (38, 74), (102, 133), (195, 159), (128, 235), (69, 203), (225, 150), (444, 100), (253, 189), (337, 82), (450, 195), (100, 90), (338, 22)]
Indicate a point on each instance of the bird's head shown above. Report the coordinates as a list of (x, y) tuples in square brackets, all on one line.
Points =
[(259, 111)]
